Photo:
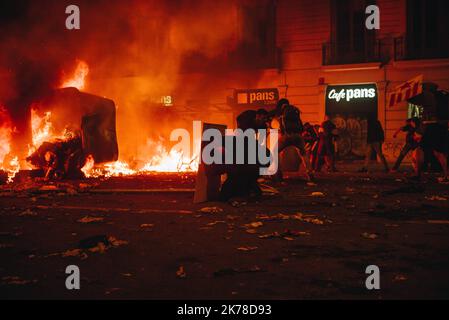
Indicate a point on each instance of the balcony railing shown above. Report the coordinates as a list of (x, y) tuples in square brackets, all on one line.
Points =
[(404, 50), (336, 53)]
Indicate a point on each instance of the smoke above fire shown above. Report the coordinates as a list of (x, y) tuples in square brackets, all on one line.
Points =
[(132, 52)]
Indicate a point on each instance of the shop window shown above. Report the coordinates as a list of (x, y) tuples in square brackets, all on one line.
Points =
[(414, 111)]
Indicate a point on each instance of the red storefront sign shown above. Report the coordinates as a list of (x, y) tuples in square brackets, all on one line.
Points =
[(405, 91)]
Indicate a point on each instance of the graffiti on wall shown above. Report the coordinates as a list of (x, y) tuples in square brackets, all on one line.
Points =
[(351, 142)]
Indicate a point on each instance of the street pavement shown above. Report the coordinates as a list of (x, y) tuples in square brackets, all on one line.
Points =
[(143, 238)]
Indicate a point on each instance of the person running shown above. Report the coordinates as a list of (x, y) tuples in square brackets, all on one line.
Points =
[(410, 143), (375, 139)]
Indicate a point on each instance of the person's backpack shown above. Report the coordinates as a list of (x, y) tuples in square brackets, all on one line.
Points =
[(291, 120)]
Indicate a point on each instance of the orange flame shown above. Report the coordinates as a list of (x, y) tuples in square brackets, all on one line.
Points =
[(160, 160), (170, 161), (5, 134), (163, 161), (12, 166), (41, 129), (78, 79)]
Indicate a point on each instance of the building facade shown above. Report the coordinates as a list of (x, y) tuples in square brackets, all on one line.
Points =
[(311, 51), (325, 43), (321, 47)]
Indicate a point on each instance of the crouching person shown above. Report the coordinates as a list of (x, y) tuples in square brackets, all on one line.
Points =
[(242, 164)]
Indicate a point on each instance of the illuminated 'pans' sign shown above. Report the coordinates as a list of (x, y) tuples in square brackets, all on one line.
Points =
[(357, 98), (256, 97)]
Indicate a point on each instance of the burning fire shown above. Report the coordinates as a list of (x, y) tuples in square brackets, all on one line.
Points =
[(12, 166), (5, 134), (159, 159), (78, 79), (169, 161), (42, 130), (163, 161)]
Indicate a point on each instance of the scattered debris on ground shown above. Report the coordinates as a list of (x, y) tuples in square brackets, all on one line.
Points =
[(247, 248), (211, 210), (289, 235), (14, 280), (371, 236), (180, 273), (88, 219), (233, 271), (436, 198)]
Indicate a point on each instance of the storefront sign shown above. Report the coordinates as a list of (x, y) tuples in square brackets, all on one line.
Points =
[(256, 97), (357, 98), (405, 91), (347, 94), (167, 101), (349, 107)]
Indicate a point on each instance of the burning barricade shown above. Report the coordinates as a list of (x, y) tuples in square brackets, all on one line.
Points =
[(92, 135)]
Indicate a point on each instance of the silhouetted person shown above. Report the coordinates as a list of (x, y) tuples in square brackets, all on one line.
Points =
[(375, 139), (291, 129), (311, 139), (326, 148), (252, 119), (410, 142), (433, 139), (242, 178)]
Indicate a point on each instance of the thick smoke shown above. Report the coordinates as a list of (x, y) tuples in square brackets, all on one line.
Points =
[(136, 50)]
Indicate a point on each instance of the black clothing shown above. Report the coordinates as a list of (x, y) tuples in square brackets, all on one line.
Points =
[(435, 138), (409, 139), (247, 120), (375, 132), (404, 151), (328, 128), (310, 135), (290, 120), (241, 178)]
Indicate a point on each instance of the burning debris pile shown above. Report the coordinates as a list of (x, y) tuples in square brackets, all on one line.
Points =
[(62, 159), (90, 135)]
